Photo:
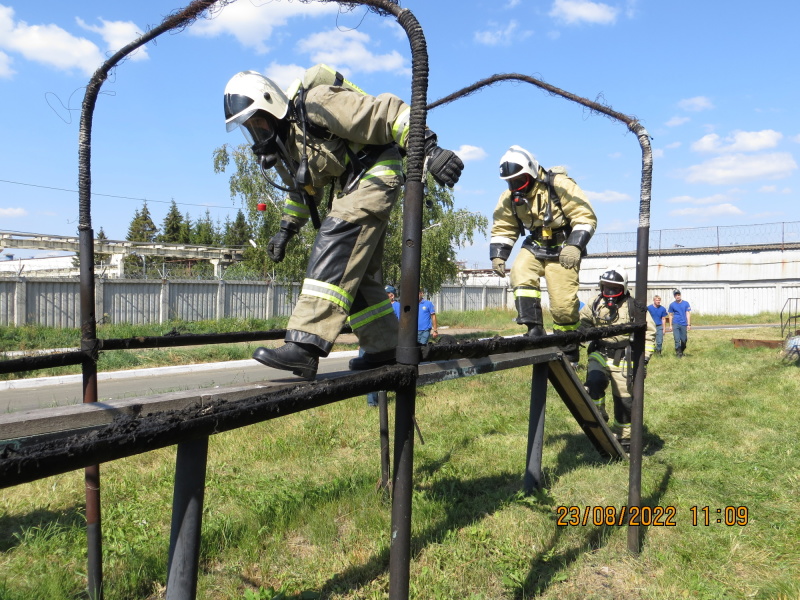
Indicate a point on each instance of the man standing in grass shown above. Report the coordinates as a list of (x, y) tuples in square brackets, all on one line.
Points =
[(426, 320), (659, 315), (680, 315)]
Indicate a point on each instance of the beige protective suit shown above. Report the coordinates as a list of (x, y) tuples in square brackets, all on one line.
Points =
[(342, 280), (610, 358), (554, 221)]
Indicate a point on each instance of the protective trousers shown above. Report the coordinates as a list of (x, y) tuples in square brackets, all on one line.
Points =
[(600, 370), (562, 287), (342, 279)]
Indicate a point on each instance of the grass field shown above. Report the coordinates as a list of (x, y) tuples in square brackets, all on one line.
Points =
[(292, 510)]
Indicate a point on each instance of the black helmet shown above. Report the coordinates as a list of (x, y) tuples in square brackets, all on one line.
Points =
[(615, 276)]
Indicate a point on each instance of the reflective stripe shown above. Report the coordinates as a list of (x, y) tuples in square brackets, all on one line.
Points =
[(583, 227), (297, 209), (649, 347), (327, 291), (496, 239), (400, 127), (369, 314), (599, 358), (527, 293), (570, 327), (384, 167)]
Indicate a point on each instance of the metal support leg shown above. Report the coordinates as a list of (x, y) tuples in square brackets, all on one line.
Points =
[(533, 472), (187, 516), (400, 549), (383, 409)]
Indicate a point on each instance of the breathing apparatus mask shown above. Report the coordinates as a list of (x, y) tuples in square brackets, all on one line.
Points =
[(260, 131), (518, 181)]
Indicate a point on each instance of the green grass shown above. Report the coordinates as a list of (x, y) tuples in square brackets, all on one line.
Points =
[(292, 507)]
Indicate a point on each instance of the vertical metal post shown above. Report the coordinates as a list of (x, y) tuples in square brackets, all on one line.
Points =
[(94, 537), (533, 462), (405, 406), (187, 516), (383, 410)]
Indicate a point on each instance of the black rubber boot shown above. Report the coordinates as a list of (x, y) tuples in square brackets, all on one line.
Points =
[(573, 353), (300, 359), (529, 313), (535, 330), (372, 360)]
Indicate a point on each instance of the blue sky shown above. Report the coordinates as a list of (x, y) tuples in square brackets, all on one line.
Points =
[(714, 83)]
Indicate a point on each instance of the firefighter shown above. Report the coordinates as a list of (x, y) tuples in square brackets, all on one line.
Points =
[(313, 135), (556, 212), (610, 358)]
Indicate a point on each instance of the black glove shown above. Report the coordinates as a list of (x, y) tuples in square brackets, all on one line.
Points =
[(445, 166), (276, 248), (646, 360)]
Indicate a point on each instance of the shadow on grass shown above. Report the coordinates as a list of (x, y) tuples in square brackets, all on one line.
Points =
[(547, 565), (476, 499), (37, 524)]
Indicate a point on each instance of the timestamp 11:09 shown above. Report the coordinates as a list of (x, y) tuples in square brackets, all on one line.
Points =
[(728, 515)]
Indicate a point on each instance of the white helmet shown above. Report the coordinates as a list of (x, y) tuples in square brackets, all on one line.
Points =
[(615, 276), (516, 162), (247, 93)]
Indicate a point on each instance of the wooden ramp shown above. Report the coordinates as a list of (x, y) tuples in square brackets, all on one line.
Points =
[(566, 382)]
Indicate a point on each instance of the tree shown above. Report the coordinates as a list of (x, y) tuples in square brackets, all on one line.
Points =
[(205, 233), (237, 232), (173, 226), (445, 228), (142, 228), (249, 186)]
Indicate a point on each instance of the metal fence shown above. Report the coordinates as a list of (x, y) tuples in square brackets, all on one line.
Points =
[(55, 302), (700, 237)]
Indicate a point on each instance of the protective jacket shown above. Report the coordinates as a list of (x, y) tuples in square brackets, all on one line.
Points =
[(350, 137), (555, 211), (610, 358)]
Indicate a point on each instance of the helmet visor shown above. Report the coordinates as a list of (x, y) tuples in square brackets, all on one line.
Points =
[(612, 290), (259, 128), (236, 110), (509, 169)]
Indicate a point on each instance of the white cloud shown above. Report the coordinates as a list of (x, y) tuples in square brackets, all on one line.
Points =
[(254, 24), (658, 153), (5, 66), (499, 36), (736, 168), (573, 12), (48, 44), (513, 3), (10, 213), (673, 145), (467, 153), (283, 75), (709, 211), (118, 34), (696, 104), (676, 121), (773, 189), (347, 51), (615, 155), (607, 196), (738, 141), (796, 138)]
